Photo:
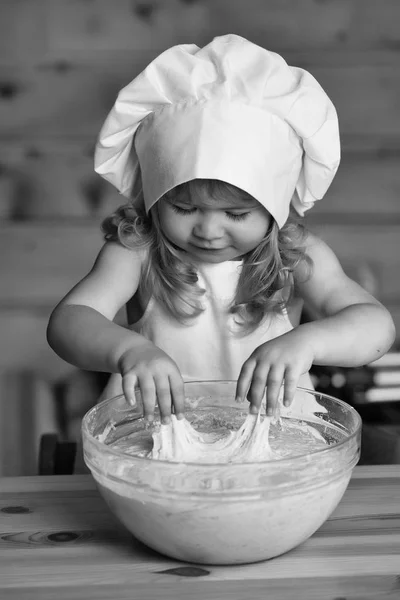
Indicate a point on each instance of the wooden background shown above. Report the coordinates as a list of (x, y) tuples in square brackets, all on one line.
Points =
[(62, 63)]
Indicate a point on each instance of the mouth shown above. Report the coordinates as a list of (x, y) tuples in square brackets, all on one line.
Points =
[(205, 249)]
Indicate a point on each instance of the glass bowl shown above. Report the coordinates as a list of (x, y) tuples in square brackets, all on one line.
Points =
[(222, 513)]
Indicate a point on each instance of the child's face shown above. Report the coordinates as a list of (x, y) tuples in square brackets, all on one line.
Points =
[(213, 230)]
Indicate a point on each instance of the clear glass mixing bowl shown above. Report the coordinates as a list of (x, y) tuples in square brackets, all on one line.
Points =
[(227, 513)]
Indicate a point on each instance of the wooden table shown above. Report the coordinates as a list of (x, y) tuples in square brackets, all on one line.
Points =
[(59, 541)]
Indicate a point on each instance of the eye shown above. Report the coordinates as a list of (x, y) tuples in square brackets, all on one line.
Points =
[(182, 211), (237, 217)]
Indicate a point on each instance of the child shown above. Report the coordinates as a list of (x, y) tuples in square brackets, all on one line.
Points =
[(216, 150)]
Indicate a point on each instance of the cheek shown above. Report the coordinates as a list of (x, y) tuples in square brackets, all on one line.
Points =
[(171, 225), (254, 231), (262, 224)]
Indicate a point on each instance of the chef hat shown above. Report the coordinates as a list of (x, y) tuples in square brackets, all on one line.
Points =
[(231, 111)]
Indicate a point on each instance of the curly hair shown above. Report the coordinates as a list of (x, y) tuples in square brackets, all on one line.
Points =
[(265, 284)]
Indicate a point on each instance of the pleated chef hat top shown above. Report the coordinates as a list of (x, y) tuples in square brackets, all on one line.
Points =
[(231, 111)]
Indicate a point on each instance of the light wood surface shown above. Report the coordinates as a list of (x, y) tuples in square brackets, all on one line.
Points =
[(59, 540), (50, 104), (60, 183), (80, 27)]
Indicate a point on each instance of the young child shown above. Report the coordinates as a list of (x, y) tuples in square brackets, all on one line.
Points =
[(217, 149)]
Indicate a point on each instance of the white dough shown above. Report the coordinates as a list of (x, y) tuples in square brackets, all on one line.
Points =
[(177, 441)]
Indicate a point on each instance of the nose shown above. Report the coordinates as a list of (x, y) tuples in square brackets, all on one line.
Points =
[(208, 227)]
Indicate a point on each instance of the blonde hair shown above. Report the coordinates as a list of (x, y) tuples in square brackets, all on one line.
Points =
[(266, 279)]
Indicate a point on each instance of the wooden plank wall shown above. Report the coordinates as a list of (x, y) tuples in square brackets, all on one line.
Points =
[(62, 63)]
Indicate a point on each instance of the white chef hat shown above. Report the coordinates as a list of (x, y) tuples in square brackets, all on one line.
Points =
[(231, 111)]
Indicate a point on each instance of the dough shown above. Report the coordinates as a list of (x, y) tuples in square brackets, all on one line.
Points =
[(179, 442)]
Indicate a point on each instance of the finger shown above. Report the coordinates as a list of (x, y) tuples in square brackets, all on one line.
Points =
[(290, 384), (148, 393), (178, 394), (244, 380), (257, 387), (164, 400), (274, 384), (129, 382)]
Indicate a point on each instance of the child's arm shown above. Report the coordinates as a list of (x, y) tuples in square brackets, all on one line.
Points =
[(354, 330), (82, 332)]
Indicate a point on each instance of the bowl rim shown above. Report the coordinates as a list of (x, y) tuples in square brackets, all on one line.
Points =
[(279, 461)]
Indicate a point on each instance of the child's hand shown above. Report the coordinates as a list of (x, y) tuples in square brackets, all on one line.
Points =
[(158, 378), (280, 361)]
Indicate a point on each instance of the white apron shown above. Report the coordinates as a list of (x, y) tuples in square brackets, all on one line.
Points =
[(207, 348)]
